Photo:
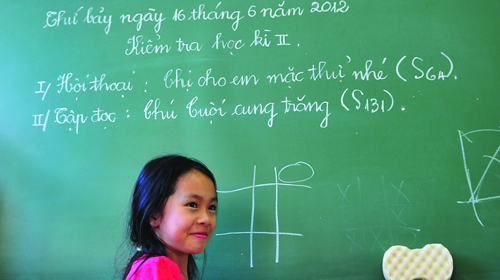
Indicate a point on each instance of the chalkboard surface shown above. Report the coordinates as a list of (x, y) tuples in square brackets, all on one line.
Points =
[(335, 129)]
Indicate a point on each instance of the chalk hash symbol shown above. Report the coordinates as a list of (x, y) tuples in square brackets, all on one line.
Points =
[(488, 179), (279, 182)]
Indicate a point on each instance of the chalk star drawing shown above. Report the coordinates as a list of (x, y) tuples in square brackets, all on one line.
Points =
[(278, 182), (475, 190)]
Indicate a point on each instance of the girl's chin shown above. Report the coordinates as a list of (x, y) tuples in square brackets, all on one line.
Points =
[(197, 249)]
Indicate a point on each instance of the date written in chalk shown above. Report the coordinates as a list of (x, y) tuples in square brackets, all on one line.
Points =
[(155, 110)]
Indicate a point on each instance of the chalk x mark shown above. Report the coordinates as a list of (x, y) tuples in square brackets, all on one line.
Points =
[(344, 193)]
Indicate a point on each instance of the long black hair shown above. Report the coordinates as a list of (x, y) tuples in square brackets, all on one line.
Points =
[(156, 183)]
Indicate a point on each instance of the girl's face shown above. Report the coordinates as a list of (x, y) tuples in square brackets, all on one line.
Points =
[(189, 217)]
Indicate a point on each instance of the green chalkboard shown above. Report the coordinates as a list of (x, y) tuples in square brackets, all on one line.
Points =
[(335, 129)]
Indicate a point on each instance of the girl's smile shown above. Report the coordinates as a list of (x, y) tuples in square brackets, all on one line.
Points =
[(200, 235)]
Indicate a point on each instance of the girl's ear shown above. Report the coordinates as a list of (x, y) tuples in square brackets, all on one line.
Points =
[(155, 220)]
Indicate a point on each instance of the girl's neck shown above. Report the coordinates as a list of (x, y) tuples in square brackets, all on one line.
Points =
[(182, 261)]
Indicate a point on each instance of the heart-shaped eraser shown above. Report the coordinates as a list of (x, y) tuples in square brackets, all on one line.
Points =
[(433, 262)]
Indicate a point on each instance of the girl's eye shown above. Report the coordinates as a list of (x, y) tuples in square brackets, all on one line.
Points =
[(192, 204), (212, 208)]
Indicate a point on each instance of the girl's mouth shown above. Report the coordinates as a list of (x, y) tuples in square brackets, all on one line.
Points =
[(200, 235)]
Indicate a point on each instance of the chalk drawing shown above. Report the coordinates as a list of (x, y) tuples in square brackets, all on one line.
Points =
[(476, 189), (278, 182), (369, 230)]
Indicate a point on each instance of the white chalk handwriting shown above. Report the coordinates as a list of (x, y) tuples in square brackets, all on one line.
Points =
[(155, 18), (308, 106), (237, 29)]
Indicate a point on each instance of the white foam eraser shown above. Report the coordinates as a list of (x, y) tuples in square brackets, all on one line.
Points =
[(433, 262)]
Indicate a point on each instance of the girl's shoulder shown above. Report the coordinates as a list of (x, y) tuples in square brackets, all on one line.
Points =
[(155, 268)]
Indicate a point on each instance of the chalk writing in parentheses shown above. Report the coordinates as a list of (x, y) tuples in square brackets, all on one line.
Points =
[(362, 101), (424, 71)]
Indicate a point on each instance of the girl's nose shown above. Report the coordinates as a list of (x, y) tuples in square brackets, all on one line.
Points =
[(204, 218)]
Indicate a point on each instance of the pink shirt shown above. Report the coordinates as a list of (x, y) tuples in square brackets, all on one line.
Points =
[(155, 268)]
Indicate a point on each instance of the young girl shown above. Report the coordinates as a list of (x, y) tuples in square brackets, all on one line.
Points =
[(172, 217)]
